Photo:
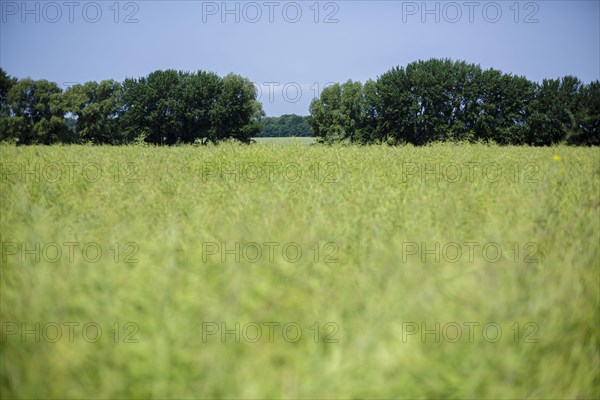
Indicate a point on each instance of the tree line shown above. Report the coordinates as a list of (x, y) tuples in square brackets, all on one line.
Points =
[(434, 100), (165, 107), (287, 125), (444, 100)]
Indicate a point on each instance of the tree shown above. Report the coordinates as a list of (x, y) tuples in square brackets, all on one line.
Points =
[(10, 127), (96, 107), (416, 102), (555, 111), (370, 114), (445, 100), (504, 107), (398, 107), (150, 107), (236, 113), (14, 128), (198, 93), (6, 83), (39, 110), (427, 101), (170, 107), (587, 129), (338, 115)]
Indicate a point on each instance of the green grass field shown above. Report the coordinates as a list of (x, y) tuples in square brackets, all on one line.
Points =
[(285, 140), (447, 271)]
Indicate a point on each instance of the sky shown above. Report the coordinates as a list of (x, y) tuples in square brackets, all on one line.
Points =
[(292, 49)]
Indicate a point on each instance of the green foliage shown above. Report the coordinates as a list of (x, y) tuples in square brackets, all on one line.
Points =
[(587, 130), (165, 108), (556, 104), (285, 126), (180, 107), (198, 93), (6, 83), (95, 107), (439, 100), (236, 112), (151, 105), (340, 114), (40, 112), (427, 101), (566, 110), (14, 129)]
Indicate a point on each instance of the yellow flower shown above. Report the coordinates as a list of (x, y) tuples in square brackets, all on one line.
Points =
[(556, 157)]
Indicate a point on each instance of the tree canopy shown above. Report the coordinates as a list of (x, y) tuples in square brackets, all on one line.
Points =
[(426, 101), (439, 100), (165, 107)]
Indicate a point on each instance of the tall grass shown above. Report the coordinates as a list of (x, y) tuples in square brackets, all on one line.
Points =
[(364, 207)]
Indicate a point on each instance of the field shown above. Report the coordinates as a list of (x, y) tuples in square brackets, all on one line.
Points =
[(285, 140), (232, 271)]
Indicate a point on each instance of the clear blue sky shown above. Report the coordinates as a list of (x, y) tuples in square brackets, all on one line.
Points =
[(287, 45)]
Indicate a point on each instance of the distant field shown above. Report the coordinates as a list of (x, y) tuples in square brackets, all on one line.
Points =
[(446, 271), (285, 140)]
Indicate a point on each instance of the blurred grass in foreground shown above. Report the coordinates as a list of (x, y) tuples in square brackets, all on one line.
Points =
[(379, 230)]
